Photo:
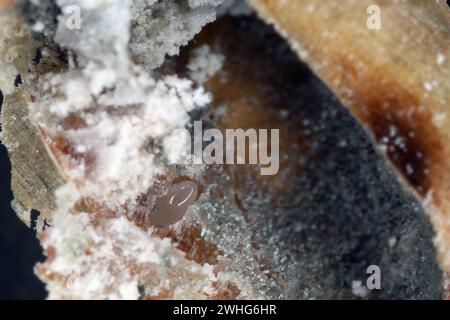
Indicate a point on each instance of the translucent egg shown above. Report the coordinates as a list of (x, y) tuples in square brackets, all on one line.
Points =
[(172, 207)]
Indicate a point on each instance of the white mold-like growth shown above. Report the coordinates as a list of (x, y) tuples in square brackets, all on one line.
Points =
[(118, 120), (160, 28), (114, 260), (111, 114), (104, 120), (204, 64)]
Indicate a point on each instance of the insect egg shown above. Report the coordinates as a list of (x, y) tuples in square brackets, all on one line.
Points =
[(172, 207)]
